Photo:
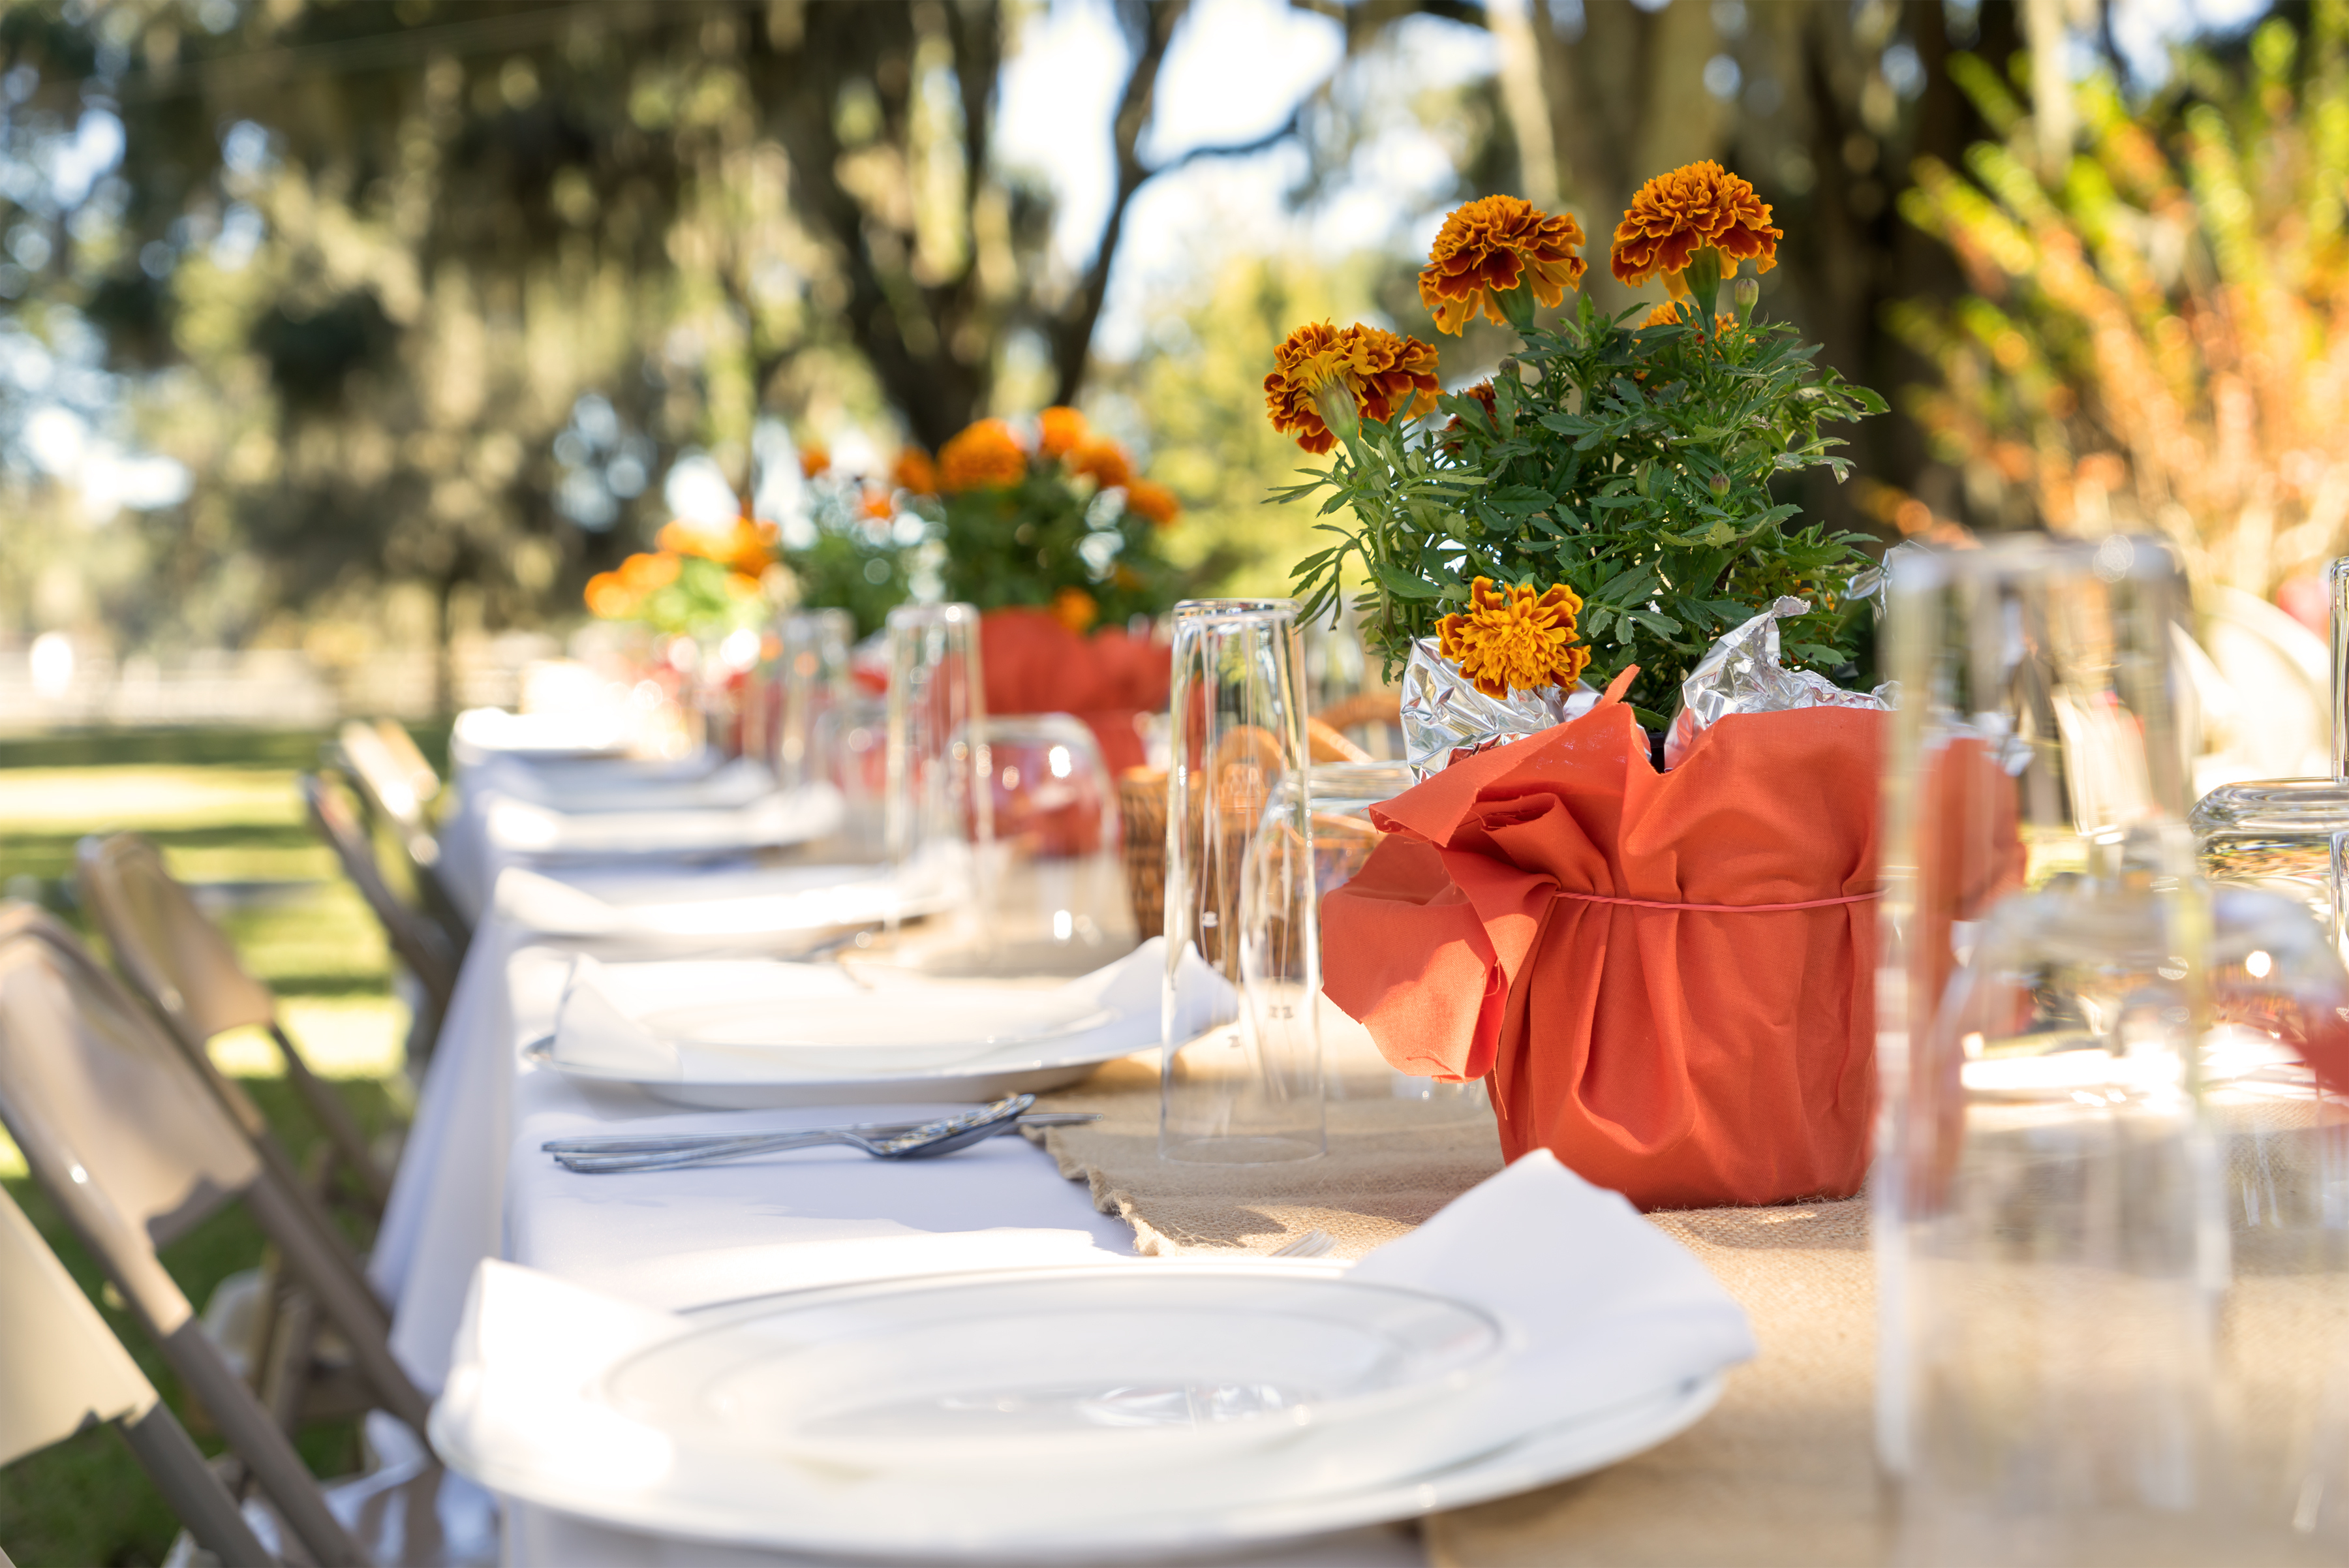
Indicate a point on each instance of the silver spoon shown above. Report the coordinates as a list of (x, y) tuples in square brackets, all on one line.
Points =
[(927, 1141)]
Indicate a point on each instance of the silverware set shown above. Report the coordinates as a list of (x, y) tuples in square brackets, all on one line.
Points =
[(605, 1154)]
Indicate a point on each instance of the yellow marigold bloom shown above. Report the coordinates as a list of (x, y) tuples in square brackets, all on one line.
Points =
[(1674, 215), (1515, 638), (1387, 374), (913, 471), (1104, 460), (1152, 499), (985, 456), (1075, 608), (1058, 430), (814, 458), (609, 597), (1488, 247), (649, 573)]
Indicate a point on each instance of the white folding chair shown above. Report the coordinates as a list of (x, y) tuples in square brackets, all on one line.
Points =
[(396, 783), (418, 943), (61, 1370), (189, 973), (125, 1136)]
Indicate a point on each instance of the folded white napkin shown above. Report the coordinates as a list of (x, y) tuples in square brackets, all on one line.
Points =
[(735, 903), (790, 816), (481, 733), (1599, 1309), (736, 1020)]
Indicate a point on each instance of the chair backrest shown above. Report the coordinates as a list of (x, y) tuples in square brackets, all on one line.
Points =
[(409, 758), (421, 944), (121, 1132), (170, 950), (61, 1370), (386, 780)]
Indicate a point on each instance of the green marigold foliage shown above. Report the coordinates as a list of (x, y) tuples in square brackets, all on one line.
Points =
[(1632, 463)]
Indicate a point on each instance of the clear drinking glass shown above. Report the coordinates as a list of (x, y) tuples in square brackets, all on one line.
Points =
[(938, 814), (1283, 874), (811, 678), (2067, 1300), (1056, 883), (1237, 1088)]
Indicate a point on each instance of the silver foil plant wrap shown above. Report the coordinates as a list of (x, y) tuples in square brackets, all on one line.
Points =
[(1444, 717)]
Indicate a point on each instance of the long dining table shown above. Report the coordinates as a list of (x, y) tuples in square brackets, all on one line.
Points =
[(474, 1185)]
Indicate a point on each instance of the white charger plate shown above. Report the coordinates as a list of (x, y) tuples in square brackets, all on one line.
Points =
[(1026, 1377), (756, 1500)]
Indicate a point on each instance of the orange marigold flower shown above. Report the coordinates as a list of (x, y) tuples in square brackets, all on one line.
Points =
[(1058, 430), (1075, 608), (1490, 246), (741, 585), (1389, 375), (1674, 215), (814, 458), (1152, 499), (877, 505), (1104, 460), (985, 456), (1483, 392), (739, 543), (913, 471), (648, 574), (609, 597), (1515, 638), (1669, 313)]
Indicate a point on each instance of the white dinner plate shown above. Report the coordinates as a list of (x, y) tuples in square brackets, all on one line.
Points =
[(1026, 1073), (700, 1469), (1029, 1378)]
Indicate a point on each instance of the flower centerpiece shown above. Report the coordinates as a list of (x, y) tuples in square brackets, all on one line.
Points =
[(857, 550), (1663, 973), (1062, 523), (705, 592), (1626, 461)]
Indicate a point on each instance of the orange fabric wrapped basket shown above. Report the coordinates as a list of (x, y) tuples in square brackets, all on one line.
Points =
[(1667, 978)]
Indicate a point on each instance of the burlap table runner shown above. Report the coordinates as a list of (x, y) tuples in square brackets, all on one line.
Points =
[(1780, 1472)]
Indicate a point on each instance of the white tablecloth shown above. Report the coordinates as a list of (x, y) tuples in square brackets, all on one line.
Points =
[(472, 1184)]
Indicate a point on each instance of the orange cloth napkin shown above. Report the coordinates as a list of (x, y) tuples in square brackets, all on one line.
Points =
[(1686, 1057), (1036, 665)]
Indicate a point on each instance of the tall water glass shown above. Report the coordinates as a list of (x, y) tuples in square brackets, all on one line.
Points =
[(2057, 1279), (1238, 1086), (939, 813), (1057, 900), (811, 679)]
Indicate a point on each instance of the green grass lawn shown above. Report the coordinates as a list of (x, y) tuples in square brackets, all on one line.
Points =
[(222, 807)]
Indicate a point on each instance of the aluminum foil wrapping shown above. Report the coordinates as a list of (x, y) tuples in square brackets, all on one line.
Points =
[(1444, 717), (1741, 674)]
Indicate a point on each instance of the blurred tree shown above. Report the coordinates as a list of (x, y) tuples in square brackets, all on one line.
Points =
[(2157, 338)]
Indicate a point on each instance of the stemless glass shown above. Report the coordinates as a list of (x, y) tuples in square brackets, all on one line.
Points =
[(2062, 1310), (1284, 872), (1237, 1088), (1057, 888), (940, 816), (811, 680)]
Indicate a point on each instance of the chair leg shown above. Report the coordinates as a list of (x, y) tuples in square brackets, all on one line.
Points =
[(344, 1300), (171, 1461), (326, 1108)]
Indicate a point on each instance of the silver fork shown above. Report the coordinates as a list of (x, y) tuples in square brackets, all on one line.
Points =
[(923, 1141), (677, 1143)]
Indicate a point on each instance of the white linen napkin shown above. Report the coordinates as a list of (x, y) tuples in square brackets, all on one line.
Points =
[(789, 817), (756, 1021), (1600, 1308), (732, 903)]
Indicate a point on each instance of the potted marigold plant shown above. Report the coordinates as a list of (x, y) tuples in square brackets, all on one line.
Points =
[(705, 592), (856, 550), (1663, 975), (1626, 461)]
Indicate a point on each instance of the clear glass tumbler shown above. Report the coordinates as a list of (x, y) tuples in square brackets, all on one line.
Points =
[(811, 678), (938, 814), (2066, 1298), (1056, 883), (1238, 1087)]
